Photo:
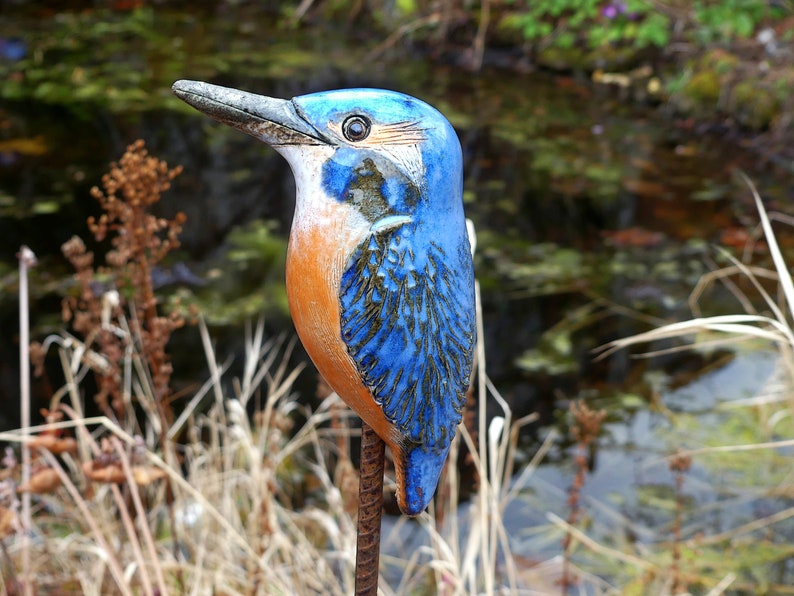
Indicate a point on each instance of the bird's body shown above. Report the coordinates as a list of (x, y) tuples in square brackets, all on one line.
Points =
[(379, 271)]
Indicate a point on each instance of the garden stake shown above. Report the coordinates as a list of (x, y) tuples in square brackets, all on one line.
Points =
[(370, 509)]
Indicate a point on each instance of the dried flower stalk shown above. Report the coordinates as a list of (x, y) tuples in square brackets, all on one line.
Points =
[(139, 242)]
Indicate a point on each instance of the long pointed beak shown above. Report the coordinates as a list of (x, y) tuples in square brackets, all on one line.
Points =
[(274, 121)]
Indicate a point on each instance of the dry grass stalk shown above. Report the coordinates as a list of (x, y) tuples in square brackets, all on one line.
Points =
[(775, 327), (26, 260)]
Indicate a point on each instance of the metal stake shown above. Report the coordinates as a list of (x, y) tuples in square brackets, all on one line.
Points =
[(370, 509)]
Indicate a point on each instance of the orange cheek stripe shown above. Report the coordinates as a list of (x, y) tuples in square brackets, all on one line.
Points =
[(314, 270)]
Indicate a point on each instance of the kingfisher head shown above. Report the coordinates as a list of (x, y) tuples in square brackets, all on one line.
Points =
[(390, 156), (379, 271)]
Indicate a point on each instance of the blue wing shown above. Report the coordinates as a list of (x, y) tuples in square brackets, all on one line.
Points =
[(408, 322)]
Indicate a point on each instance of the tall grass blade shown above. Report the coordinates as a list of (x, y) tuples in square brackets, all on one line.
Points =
[(774, 249)]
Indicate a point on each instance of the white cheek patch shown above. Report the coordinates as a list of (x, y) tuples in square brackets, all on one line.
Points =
[(314, 208)]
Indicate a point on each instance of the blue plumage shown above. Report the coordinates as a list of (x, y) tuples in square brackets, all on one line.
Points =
[(407, 323), (406, 295)]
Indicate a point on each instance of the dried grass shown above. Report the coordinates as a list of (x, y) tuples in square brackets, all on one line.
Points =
[(227, 497)]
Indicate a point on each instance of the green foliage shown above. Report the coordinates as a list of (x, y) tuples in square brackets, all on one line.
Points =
[(635, 24), (591, 24), (126, 61), (407, 7), (729, 19), (78, 57), (247, 280), (638, 24)]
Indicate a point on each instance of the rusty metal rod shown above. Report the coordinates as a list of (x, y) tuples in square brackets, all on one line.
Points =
[(370, 509)]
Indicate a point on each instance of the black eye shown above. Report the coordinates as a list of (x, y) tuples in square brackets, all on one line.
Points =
[(356, 128)]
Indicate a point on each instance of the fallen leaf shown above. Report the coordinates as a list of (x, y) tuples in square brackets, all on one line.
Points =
[(145, 475), (8, 522), (109, 474), (53, 444), (44, 481), (30, 146)]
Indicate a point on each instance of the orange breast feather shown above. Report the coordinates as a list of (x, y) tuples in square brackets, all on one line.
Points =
[(317, 255)]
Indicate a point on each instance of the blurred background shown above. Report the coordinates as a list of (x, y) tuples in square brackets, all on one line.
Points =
[(601, 142)]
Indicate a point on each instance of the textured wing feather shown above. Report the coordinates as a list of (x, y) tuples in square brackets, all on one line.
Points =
[(407, 320)]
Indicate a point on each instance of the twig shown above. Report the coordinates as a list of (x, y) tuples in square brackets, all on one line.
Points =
[(585, 428), (479, 39), (426, 21)]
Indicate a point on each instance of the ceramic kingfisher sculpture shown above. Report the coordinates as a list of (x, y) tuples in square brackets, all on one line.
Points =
[(380, 280)]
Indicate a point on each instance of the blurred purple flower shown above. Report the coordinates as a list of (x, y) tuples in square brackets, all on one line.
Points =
[(613, 9)]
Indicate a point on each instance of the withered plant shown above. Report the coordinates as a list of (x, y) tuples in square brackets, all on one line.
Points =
[(242, 503), (679, 464), (140, 241), (584, 430)]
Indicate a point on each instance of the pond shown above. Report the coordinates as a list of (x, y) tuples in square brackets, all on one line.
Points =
[(596, 217)]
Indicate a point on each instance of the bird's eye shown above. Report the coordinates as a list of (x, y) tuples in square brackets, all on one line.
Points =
[(356, 128)]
